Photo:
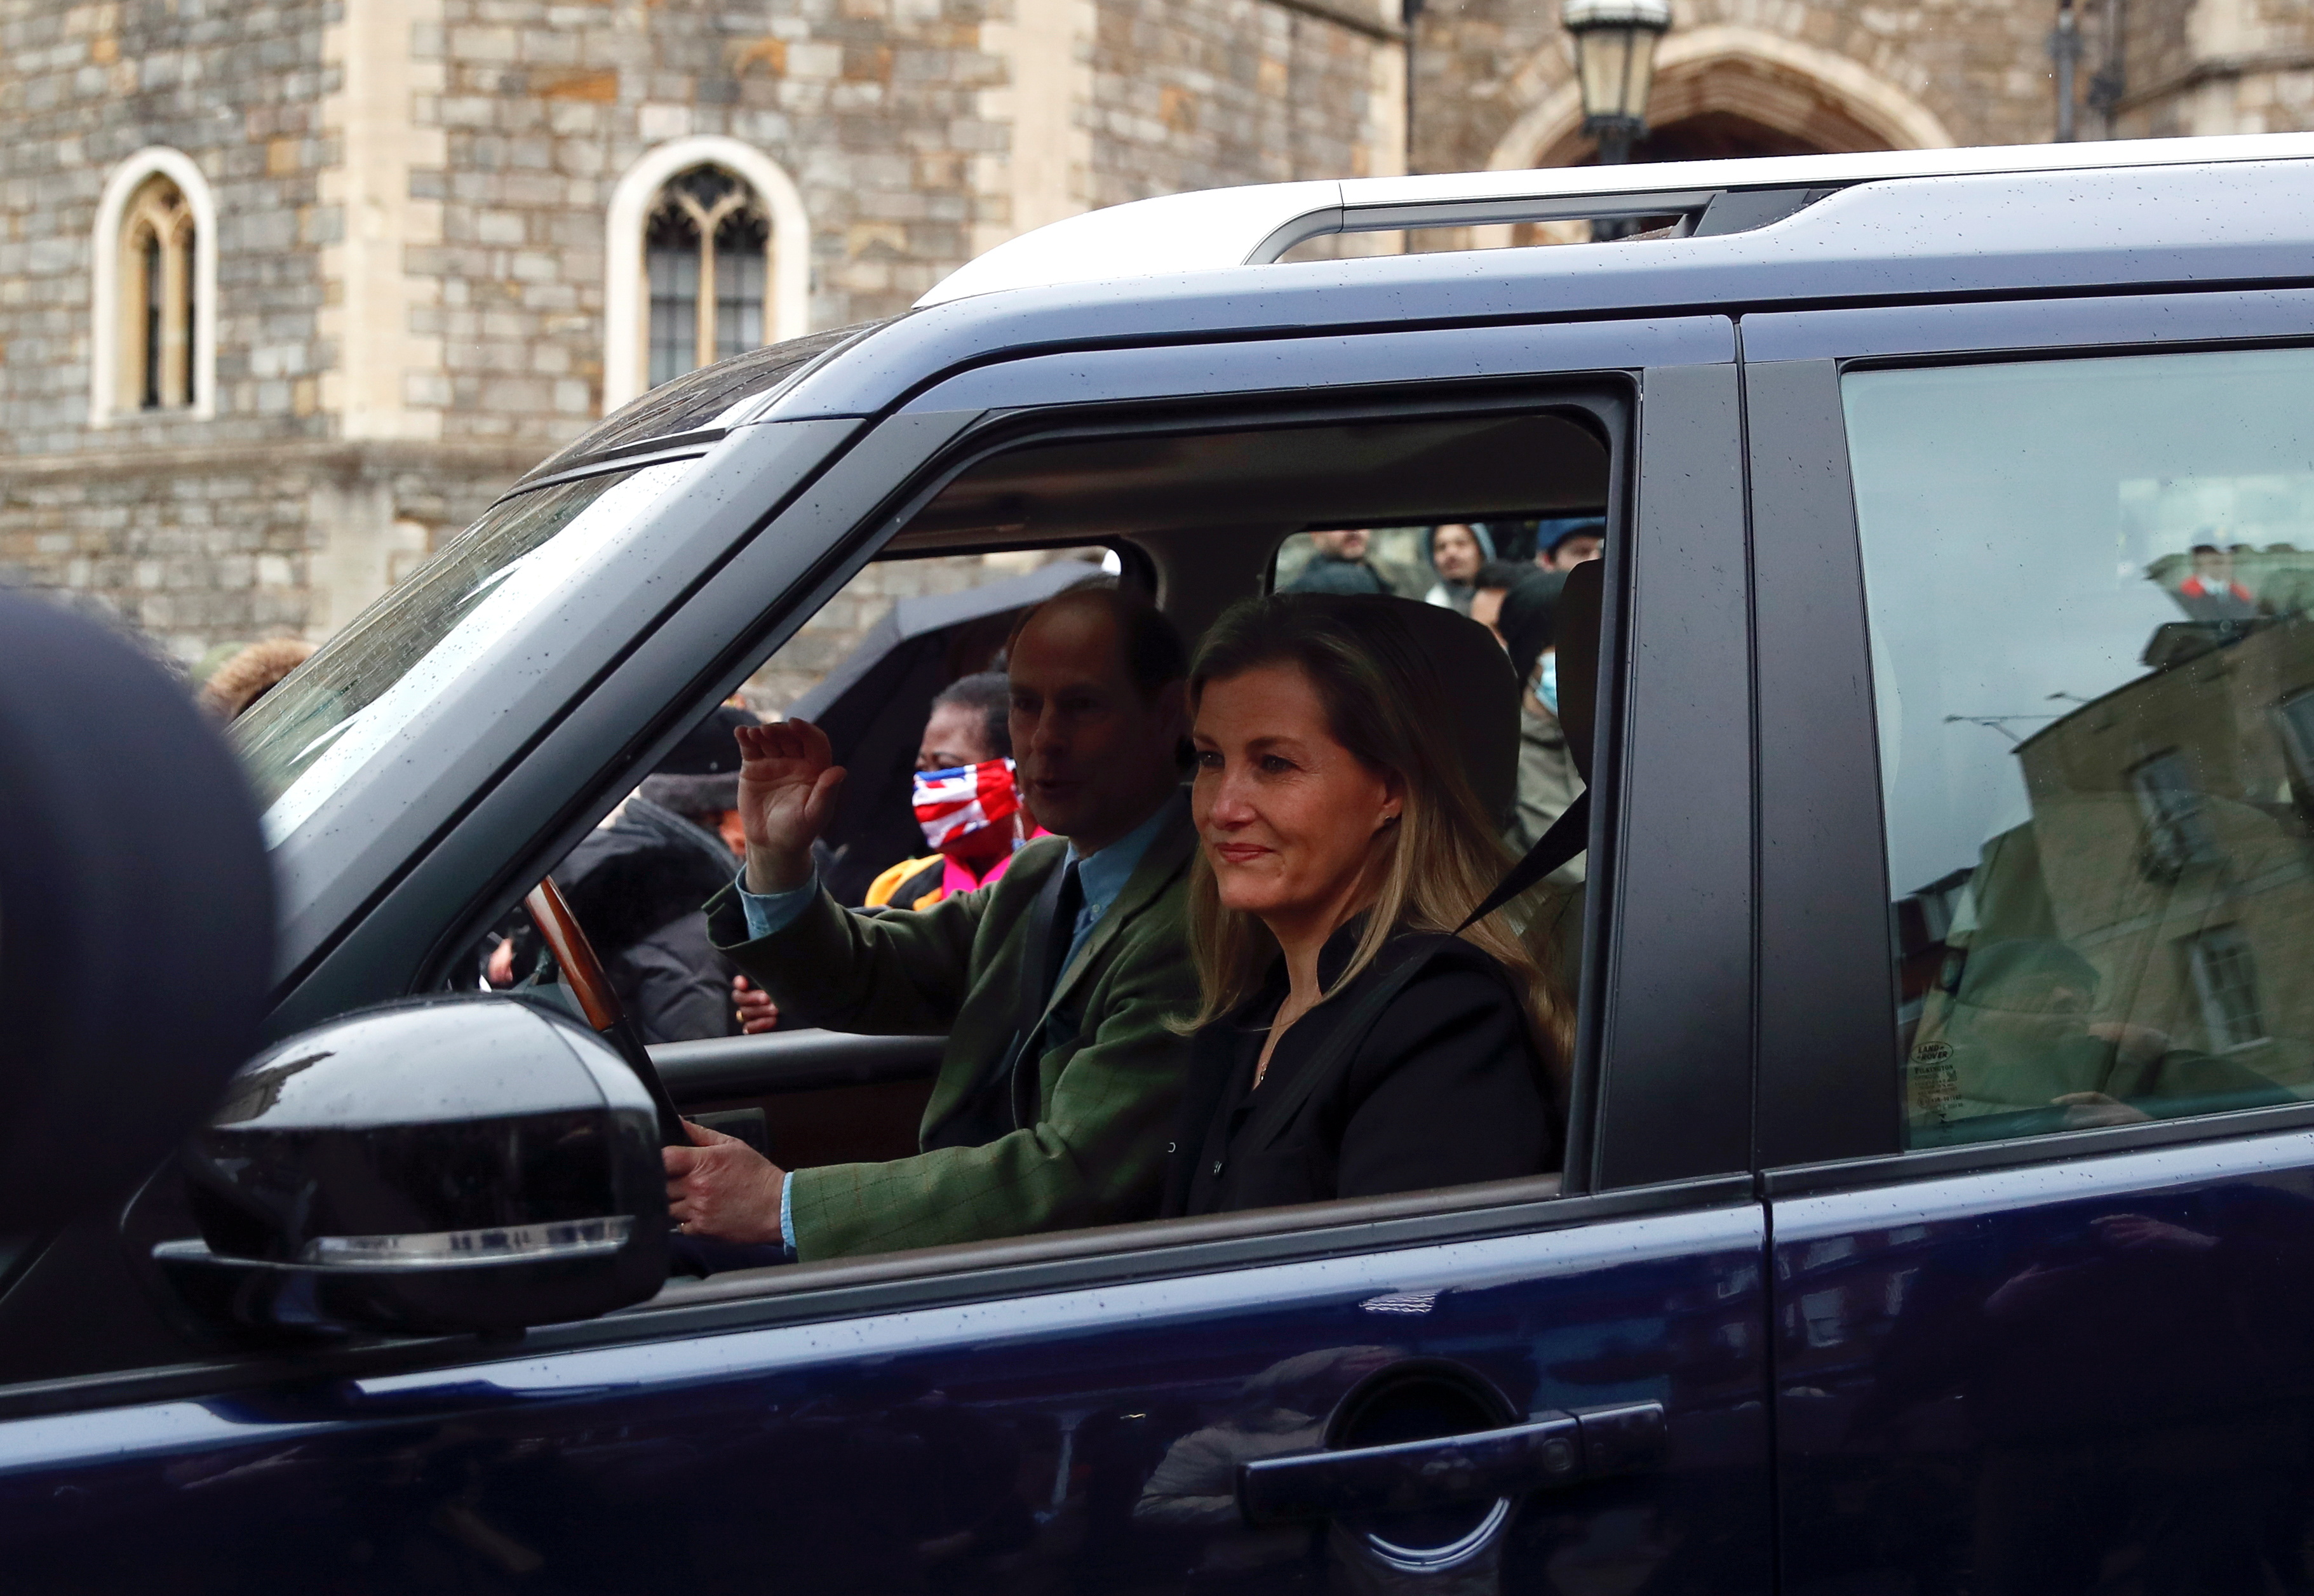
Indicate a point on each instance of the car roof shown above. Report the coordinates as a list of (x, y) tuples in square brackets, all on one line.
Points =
[(1256, 225), (1799, 230), (2243, 212)]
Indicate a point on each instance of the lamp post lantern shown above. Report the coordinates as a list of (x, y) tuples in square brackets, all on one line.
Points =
[(1616, 62)]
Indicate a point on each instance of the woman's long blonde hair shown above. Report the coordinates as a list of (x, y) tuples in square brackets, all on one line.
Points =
[(1430, 870)]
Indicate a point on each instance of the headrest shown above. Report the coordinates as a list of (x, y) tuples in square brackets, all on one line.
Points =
[(1481, 701), (1529, 618), (1576, 625)]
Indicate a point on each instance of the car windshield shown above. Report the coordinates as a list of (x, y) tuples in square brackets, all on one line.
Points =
[(306, 739), (713, 397)]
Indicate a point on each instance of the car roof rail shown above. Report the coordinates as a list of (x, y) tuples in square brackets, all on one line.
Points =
[(1254, 226)]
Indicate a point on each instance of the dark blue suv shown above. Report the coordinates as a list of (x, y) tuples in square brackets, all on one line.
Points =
[(1938, 1203)]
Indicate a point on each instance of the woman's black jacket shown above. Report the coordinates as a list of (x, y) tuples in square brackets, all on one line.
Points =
[(1444, 1087)]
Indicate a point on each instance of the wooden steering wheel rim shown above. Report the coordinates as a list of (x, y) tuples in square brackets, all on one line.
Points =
[(582, 971)]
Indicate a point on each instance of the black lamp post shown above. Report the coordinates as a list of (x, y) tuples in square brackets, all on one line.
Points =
[(1615, 63)]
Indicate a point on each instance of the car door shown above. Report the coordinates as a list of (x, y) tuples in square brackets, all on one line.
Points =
[(2034, 648), (1079, 1412)]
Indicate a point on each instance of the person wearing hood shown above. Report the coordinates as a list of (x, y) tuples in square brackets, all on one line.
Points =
[(1457, 551), (638, 883), (1571, 544)]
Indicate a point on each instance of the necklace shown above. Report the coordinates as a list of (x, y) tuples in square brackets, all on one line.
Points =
[(1278, 1027)]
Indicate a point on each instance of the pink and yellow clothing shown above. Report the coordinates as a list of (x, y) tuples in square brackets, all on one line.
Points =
[(953, 807)]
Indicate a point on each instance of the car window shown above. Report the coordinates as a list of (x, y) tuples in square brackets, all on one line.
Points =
[(712, 398), (2087, 584), (867, 667), (903, 669), (305, 739)]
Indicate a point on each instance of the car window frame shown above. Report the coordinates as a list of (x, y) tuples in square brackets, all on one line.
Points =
[(1052, 404), (1828, 988), (861, 498)]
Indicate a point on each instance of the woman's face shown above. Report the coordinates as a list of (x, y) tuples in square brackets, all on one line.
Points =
[(955, 735), (1455, 552), (1287, 815)]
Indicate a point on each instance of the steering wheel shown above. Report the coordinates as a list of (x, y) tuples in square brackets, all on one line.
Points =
[(566, 939), (583, 974)]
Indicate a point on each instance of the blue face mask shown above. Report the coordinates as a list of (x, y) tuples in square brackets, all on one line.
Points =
[(1546, 685)]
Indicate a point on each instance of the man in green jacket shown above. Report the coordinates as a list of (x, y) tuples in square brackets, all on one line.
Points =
[(1057, 1090)]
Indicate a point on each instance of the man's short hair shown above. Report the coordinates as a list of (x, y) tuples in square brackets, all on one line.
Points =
[(987, 694), (1154, 655)]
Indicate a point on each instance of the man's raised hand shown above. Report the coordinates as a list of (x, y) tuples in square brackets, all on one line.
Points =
[(788, 783)]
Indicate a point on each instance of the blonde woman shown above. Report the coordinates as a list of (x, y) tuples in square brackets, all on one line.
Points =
[(1349, 1044)]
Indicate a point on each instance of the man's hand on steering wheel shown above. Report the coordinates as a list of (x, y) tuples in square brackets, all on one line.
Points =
[(720, 1186)]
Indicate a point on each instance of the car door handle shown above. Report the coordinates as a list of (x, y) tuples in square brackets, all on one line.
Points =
[(1552, 1448)]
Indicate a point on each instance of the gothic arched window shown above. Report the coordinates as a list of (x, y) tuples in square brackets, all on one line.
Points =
[(707, 249), (157, 305), (153, 299), (708, 253)]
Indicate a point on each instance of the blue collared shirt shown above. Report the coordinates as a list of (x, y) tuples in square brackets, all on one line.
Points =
[(1102, 874)]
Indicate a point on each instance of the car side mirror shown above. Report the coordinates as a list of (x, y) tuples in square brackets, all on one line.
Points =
[(444, 1164)]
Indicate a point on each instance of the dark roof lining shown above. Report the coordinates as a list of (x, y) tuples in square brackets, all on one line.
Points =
[(1353, 473)]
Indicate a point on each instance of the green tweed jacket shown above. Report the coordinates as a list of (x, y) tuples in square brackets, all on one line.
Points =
[(1107, 1083)]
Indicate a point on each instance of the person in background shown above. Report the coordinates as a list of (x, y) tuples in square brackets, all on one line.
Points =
[(1547, 780), (1585, 540), (2210, 592), (252, 674), (1057, 988), (1339, 564), (1457, 551), (1351, 1040), (966, 798), (1495, 579), (636, 885)]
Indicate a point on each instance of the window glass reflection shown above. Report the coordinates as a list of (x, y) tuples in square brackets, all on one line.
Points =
[(2088, 583)]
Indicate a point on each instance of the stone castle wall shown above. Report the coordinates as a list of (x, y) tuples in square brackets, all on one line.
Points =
[(236, 87), (1495, 80), (412, 198), (1202, 93), (869, 105), (2216, 66), (193, 549)]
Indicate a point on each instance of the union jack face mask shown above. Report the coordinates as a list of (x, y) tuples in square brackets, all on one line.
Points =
[(953, 806)]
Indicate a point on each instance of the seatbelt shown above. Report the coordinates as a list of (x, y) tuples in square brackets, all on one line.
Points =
[(1565, 837)]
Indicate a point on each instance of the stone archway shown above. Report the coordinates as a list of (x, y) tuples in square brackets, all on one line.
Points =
[(1727, 90)]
